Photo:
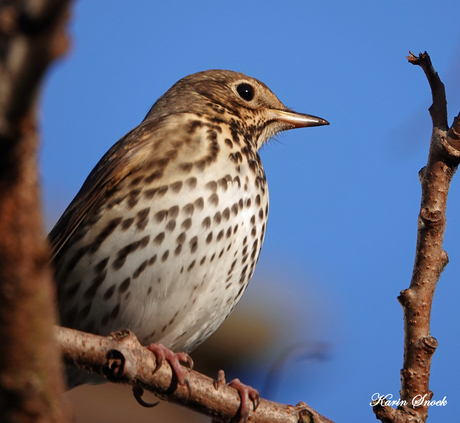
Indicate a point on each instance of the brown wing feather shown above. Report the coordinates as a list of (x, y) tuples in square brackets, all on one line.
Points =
[(125, 157)]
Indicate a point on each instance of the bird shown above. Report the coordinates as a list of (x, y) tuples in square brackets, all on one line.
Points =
[(165, 233)]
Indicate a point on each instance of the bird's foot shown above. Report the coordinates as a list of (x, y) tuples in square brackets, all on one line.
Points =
[(174, 359), (245, 392)]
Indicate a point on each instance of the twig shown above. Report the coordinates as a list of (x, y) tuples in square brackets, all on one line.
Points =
[(430, 260), (122, 359)]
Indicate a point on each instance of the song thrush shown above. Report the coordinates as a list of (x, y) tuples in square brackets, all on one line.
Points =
[(165, 233)]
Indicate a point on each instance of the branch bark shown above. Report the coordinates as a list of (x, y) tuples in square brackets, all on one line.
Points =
[(31, 38), (122, 359), (430, 259)]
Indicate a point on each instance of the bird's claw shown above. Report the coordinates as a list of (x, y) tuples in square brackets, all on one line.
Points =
[(138, 392), (174, 359), (246, 393)]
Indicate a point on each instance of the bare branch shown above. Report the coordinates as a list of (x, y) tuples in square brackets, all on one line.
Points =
[(122, 359), (438, 109), (430, 259)]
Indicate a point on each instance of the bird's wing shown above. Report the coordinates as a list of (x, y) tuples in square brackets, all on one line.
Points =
[(124, 158)]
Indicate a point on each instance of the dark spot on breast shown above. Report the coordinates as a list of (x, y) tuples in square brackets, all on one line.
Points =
[(192, 264), (199, 203), (152, 260), (202, 260), (172, 154), (229, 232), (165, 255), (200, 165), (159, 238), (193, 244), (217, 218), (187, 224), (136, 181), (158, 173), (186, 167), (193, 125), (188, 209), (127, 223), (123, 253), (140, 269), (248, 202), (108, 294), (171, 225), (176, 186), (226, 214), (237, 180), (150, 193), (161, 215), (253, 219), (173, 212), (212, 186), (161, 191), (235, 209), (101, 265), (223, 182), (115, 311), (178, 250), (143, 218), (124, 285), (261, 213), (220, 235), (181, 238), (209, 238), (191, 182), (109, 228), (206, 224), (95, 284), (213, 199), (228, 143)]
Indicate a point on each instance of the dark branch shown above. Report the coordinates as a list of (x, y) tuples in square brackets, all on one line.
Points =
[(438, 109)]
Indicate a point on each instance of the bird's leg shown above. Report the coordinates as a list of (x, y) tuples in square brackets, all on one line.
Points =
[(245, 392), (174, 359)]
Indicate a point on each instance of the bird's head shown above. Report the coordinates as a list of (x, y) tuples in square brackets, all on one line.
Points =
[(245, 103)]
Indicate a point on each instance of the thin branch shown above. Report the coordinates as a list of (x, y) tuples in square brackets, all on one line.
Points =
[(430, 260), (438, 109), (122, 359), (31, 37)]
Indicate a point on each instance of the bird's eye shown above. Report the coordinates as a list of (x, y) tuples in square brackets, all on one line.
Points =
[(245, 91)]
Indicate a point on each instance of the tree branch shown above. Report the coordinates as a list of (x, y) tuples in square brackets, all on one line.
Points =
[(122, 359), (430, 259), (31, 37)]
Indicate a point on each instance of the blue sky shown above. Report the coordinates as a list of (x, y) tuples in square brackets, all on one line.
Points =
[(344, 199)]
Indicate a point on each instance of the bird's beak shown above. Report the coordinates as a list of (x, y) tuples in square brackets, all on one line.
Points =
[(297, 120)]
